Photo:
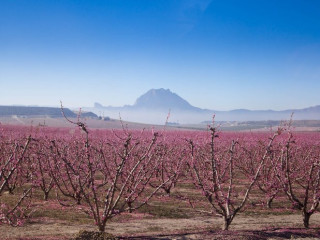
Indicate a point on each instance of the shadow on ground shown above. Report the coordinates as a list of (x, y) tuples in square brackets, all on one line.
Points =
[(269, 234)]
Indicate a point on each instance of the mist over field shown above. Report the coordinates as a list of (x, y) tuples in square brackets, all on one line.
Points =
[(162, 107), (157, 106)]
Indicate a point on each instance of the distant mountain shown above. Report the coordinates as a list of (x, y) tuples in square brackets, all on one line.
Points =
[(154, 105), (88, 115), (23, 111), (155, 100), (97, 105), (34, 111), (163, 99)]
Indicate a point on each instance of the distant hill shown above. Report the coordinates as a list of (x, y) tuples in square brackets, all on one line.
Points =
[(154, 105), (163, 99), (88, 115), (23, 111)]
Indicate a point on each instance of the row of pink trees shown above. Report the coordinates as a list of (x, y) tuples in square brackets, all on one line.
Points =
[(108, 172), (109, 175), (281, 165), (300, 176), (214, 172), (13, 154)]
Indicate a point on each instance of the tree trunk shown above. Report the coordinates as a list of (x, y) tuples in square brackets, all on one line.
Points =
[(226, 223), (78, 198), (269, 202), (130, 207), (306, 219), (102, 227), (45, 196), (167, 190)]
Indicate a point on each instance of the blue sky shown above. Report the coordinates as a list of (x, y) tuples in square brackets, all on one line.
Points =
[(220, 55)]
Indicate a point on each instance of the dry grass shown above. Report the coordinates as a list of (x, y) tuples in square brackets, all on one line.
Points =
[(166, 215)]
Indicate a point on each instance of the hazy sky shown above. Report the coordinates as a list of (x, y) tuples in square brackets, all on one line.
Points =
[(220, 55)]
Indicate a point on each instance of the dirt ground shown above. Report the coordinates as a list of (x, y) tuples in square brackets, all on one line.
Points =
[(243, 227)]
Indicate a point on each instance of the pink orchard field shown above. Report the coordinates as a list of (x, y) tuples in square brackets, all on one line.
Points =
[(101, 175)]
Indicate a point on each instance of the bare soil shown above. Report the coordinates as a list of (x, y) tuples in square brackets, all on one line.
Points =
[(137, 227)]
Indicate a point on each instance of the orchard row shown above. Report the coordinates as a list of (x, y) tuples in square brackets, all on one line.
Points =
[(110, 172)]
